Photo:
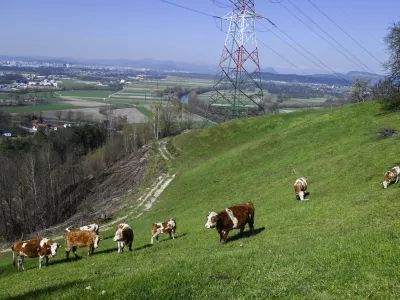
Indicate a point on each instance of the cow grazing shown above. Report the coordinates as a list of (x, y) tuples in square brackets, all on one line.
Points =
[(234, 217), (300, 186), (390, 176), (82, 238), (123, 236), (161, 228), (40, 247), (91, 227)]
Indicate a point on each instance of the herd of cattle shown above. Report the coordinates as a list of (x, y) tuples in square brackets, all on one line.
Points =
[(234, 217)]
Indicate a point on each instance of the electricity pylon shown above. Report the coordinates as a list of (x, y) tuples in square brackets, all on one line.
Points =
[(237, 87)]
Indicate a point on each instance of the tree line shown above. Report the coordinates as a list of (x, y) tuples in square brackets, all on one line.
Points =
[(46, 177)]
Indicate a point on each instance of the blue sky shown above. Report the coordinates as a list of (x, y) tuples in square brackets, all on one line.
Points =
[(152, 29)]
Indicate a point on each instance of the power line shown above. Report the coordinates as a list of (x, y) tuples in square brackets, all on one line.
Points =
[(337, 42), (312, 55), (308, 26), (220, 4), (277, 36), (337, 25), (191, 9), (304, 49), (277, 53)]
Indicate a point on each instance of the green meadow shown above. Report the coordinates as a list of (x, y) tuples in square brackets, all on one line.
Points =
[(343, 243)]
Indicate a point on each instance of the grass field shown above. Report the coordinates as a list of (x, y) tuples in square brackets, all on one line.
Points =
[(87, 93), (75, 84), (144, 111), (309, 101), (37, 108), (55, 103), (341, 244)]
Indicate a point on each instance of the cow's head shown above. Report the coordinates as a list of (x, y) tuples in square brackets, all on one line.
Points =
[(97, 240), (212, 219), (119, 236), (301, 195), (387, 179), (54, 248), (385, 184)]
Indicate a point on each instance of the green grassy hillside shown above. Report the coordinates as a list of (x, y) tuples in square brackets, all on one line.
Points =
[(341, 244)]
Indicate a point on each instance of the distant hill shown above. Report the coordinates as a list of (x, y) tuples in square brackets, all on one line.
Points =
[(269, 70), (267, 73)]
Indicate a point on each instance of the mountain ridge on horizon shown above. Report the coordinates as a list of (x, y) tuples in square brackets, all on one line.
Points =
[(149, 63)]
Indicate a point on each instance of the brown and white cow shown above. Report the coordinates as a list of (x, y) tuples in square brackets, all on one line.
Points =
[(82, 238), (39, 247), (123, 236), (300, 187), (92, 227), (163, 228), (234, 217), (390, 176)]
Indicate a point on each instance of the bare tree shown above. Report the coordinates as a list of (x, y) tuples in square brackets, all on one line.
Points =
[(360, 91), (392, 41), (155, 119), (58, 114), (70, 115)]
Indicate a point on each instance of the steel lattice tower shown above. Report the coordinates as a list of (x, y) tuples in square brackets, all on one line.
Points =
[(237, 87)]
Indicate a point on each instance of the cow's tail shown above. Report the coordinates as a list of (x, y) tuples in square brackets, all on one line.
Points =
[(13, 255)]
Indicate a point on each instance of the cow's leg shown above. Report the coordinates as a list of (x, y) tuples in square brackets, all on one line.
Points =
[(122, 247), (397, 180), (74, 251), (221, 236), (241, 230), (251, 223), (130, 246), (154, 236), (47, 260), (173, 234), (21, 263), (224, 235), (67, 254), (40, 261), (90, 250)]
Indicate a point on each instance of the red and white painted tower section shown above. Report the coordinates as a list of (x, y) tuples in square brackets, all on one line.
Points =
[(237, 88)]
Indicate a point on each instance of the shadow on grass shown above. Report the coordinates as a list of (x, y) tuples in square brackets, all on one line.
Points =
[(109, 250), (155, 242), (244, 234), (108, 237), (142, 247), (50, 290), (176, 237)]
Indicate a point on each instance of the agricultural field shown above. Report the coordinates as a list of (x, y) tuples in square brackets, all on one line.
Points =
[(307, 101), (342, 243), (76, 84), (52, 103), (87, 93), (39, 108)]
